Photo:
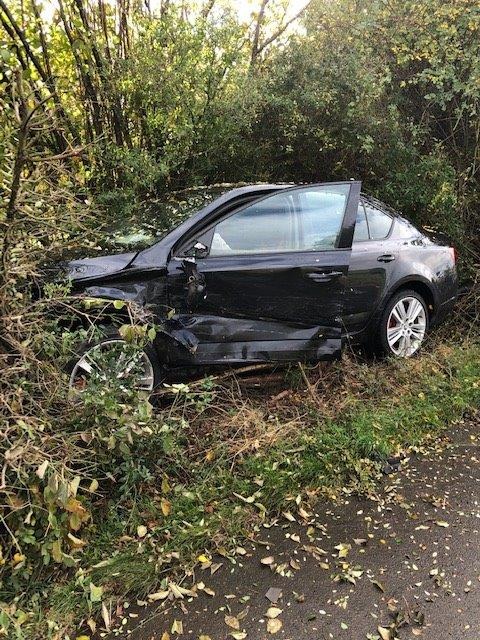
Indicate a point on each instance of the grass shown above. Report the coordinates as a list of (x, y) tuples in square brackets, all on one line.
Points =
[(223, 458)]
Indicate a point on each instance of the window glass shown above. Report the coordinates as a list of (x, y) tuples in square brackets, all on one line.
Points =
[(404, 229), (361, 227), (307, 219), (379, 223)]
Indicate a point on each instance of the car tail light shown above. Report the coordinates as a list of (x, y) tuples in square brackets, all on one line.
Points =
[(453, 251)]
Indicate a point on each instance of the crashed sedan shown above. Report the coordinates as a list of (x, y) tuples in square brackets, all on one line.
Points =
[(274, 273)]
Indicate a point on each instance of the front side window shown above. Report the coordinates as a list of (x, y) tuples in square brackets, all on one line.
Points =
[(379, 222), (308, 219)]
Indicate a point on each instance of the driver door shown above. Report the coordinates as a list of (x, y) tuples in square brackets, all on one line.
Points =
[(272, 275)]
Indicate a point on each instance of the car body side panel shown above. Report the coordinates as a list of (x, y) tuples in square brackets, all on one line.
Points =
[(367, 281), (417, 261), (263, 309), (266, 307)]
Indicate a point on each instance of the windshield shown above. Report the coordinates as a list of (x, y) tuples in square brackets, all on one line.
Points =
[(156, 217)]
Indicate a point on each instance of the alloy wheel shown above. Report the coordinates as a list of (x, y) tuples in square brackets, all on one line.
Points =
[(406, 326), (113, 363)]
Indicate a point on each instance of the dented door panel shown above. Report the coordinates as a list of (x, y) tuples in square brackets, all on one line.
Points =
[(265, 307)]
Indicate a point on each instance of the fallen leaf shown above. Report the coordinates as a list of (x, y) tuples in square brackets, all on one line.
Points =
[(360, 541), (442, 523), (273, 612), (232, 622), (378, 584), (76, 543), (41, 472), (343, 549), (385, 634), (274, 625), (141, 531), (203, 558), (238, 635), (95, 593), (288, 516), (166, 506), (177, 627), (268, 561), (106, 617), (215, 567), (159, 595)]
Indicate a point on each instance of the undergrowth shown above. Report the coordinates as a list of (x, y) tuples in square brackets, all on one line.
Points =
[(223, 457)]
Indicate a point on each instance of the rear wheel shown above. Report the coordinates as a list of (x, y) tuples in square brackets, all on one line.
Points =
[(114, 364), (403, 325)]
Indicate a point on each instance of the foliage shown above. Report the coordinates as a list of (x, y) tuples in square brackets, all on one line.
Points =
[(104, 107)]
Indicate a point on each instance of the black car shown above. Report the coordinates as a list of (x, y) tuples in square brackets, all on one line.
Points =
[(275, 273)]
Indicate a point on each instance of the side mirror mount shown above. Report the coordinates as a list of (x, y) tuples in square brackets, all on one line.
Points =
[(199, 250)]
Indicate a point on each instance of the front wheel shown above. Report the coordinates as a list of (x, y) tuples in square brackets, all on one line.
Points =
[(116, 365), (403, 325)]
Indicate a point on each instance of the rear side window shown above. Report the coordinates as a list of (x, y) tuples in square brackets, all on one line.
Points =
[(307, 219), (379, 222), (361, 227)]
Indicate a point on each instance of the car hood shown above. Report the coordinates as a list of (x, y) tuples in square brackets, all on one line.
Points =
[(102, 266)]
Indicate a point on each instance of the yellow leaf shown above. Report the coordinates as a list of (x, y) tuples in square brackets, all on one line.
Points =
[(141, 531), (166, 506), (82, 638), (165, 636), (232, 622), (160, 595), (203, 558), (41, 469), (274, 625), (77, 543), (384, 633), (177, 627)]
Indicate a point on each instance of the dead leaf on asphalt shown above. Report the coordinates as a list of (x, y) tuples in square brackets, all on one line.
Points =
[(269, 560), (177, 627), (378, 584), (274, 625), (385, 633), (232, 622), (273, 612)]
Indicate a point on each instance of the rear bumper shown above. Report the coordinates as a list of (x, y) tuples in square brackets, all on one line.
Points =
[(444, 310)]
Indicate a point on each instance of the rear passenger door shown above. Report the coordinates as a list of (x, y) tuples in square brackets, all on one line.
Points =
[(371, 266)]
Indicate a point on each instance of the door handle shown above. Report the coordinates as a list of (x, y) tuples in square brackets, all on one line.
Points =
[(323, 276), (386, 257)]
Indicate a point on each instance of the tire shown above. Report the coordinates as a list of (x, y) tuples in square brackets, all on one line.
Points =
[(147, 358), (401, 333)]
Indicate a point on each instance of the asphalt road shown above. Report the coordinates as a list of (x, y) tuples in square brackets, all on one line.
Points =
[(406, 559)]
